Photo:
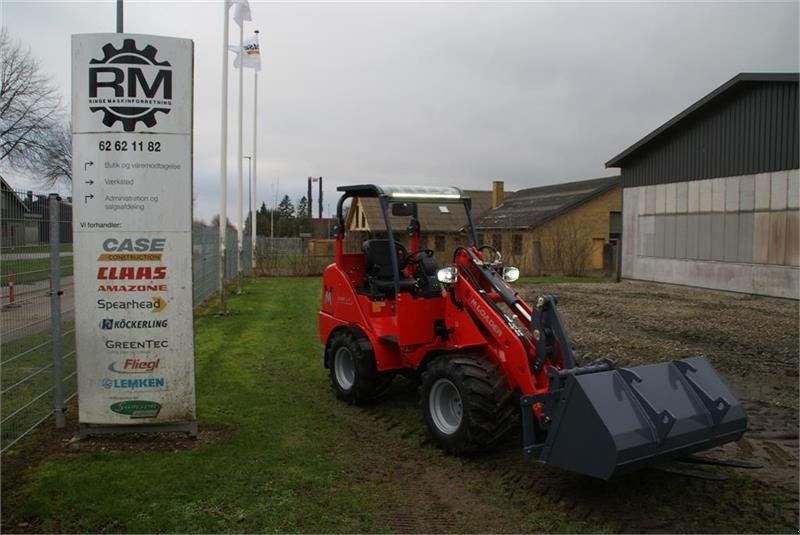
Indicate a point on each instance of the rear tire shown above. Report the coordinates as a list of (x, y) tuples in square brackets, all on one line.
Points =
[(465, 403), (352, 370)]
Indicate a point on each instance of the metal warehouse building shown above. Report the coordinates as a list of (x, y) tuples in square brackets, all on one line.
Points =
[(710, 198)]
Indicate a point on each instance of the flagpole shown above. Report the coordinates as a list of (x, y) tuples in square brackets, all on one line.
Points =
[(223, 163), (240, 229), (254, 219)]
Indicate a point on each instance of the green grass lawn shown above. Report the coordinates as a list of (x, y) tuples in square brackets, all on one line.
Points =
[(29, 270), (291, 458)]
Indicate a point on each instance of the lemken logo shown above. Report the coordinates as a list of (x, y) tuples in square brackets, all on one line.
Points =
[(134, 384), (129, 85)]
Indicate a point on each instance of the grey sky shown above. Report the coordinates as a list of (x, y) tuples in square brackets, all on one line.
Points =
[(446, 93)]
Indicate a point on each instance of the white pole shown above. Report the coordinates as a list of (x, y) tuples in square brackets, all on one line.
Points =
[(240, 230), (223, 163), (253, 226)]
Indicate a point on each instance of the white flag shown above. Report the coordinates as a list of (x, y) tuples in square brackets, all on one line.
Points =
[(249, 55), (241, 11)]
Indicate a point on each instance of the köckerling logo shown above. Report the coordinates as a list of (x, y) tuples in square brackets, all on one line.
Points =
[(129, 85), (108, 324)]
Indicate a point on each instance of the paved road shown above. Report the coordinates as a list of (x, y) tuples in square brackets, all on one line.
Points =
[(30, 313), (29, 256)]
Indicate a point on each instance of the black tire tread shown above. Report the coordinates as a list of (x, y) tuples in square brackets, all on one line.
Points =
[(488, 405), (369, 384)]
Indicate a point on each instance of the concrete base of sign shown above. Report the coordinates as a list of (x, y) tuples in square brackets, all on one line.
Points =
[(189, 428)]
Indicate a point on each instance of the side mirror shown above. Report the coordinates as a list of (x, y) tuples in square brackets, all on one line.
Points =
[(404, 209)]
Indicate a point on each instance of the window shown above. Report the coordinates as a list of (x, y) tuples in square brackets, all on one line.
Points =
[(439, 241), (363, 220), (615, 225), (497, 241), (516, 244)]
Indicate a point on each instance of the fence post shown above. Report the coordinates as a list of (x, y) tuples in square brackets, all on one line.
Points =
[(55, 311)]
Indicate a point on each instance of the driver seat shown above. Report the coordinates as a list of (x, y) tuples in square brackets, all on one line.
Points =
[(378, 275)]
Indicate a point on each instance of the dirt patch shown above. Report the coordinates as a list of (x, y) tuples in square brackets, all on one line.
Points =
[(751, 341)]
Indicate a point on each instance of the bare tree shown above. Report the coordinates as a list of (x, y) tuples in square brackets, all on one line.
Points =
[(33, 136), (52, 163), (568, 248)]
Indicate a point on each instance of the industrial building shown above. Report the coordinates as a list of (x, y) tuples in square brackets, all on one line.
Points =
[(710, 198)]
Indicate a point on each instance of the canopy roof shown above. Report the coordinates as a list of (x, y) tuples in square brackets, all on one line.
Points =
[(406, 193)]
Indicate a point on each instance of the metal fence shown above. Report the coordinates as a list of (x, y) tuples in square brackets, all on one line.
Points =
[(37, 325), (37, 315), (37, 312)]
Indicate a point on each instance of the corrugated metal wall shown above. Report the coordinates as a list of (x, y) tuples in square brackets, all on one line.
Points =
[(753, 129)]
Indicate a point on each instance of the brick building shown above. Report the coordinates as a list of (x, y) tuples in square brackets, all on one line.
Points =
[(557, 229)]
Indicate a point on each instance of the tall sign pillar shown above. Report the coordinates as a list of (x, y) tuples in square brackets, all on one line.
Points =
[(132, 221)]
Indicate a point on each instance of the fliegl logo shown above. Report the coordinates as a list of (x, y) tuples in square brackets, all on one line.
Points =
[(134, 365), (130, 85)]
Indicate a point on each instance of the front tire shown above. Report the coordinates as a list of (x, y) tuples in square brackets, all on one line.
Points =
[(352, 370), (465, 403)]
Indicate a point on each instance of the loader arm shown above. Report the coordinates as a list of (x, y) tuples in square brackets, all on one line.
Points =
[(597, 419)]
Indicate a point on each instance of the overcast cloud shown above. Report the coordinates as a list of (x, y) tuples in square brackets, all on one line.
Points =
[(446, 93)]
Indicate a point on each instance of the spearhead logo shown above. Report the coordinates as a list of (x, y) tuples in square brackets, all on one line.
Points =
[(130, 85)]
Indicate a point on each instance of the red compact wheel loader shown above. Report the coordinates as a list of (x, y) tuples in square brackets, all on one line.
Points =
[(483, 355)]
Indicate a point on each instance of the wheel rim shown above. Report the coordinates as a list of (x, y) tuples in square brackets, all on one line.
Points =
[(444, 404), (344, 368)]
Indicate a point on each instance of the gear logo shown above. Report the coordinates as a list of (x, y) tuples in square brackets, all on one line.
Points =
[(130, 85)]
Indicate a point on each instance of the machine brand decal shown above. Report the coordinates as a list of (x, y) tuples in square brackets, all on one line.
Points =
[(344, 300), (132, 288), (137, 344), (132, 249), (152, 383), (154, 305), (134, 365), (137, 408), (107, 324), (486, 317), (131, 273)]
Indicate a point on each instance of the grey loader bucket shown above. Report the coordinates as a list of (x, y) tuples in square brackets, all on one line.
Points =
[(605, 420)]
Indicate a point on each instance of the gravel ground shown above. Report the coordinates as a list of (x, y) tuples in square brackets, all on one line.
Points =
[(751, 341)]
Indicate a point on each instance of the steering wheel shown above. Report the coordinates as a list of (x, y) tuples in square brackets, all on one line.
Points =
[(413, 257), (402, 254)]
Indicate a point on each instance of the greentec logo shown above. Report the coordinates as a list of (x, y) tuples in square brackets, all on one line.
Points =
[(137, 408)]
